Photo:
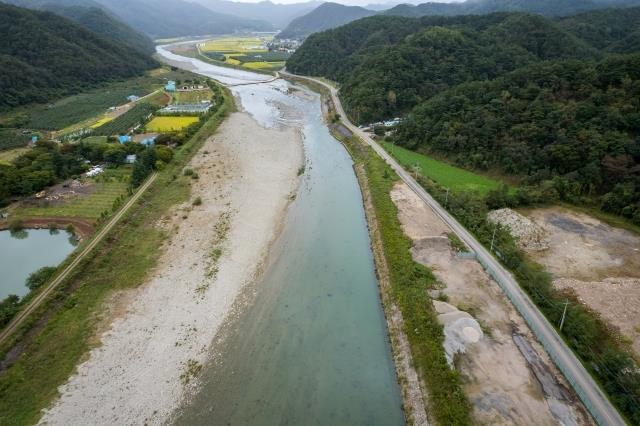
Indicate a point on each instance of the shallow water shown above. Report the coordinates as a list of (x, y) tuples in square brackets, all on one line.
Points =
[(312, 348), (26, 251)]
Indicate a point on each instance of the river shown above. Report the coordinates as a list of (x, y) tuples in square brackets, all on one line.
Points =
[(312, 346)]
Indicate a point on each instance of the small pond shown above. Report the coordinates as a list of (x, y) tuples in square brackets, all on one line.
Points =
[(26, 251)]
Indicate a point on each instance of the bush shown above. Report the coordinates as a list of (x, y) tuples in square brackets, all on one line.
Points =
[(197, 201), (40, 277), (188, 172)]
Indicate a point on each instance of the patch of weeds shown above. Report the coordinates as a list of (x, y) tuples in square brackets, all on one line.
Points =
[(301, 170), (191, 371), (188, 172), (197, 201), (456, 243), (443, 297)]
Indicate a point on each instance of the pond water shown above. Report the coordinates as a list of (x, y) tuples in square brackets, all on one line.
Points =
[(26, 251), (312, 348)]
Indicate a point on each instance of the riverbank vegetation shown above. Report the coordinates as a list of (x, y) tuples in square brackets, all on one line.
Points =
[(447, 403), (62, 330)]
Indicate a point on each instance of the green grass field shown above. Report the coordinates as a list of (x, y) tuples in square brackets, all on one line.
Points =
[(108, 187), (454, 178), (192, 97), (6, 157), (170, 124)]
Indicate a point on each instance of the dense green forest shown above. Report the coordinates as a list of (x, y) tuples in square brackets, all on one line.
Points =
[(570, 127), (102, 23), (387, 65), (554, 102), (479, 7), (44, 56)]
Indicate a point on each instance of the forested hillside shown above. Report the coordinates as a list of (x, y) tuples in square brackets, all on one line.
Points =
[(480, 7), (102, 23), (570, 127), (387, 65), (325, 16), (44, 56), (555, 102)]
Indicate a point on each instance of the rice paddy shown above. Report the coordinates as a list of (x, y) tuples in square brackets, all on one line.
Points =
[(100, 122), (249, 52), (170, 124)]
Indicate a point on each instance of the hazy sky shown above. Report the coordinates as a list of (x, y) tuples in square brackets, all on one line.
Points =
[(358, 2)]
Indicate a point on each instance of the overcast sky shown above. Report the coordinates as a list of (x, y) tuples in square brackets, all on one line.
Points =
[(359, 2)]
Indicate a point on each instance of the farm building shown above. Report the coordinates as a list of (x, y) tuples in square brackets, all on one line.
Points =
[(130, 159), (124, 139), (200, 108), (171, 86), (150, 141), (191, 87)]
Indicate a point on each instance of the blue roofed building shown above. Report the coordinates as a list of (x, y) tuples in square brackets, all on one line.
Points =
[(133, 98), (150, 141), (124, 139), (171, 86)]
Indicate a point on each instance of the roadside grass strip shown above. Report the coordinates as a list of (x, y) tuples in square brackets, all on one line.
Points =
[(170, 124), (452, 177), (448, 404)]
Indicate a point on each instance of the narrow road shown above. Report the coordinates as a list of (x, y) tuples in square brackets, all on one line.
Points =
[(594, 399), (42, 296)]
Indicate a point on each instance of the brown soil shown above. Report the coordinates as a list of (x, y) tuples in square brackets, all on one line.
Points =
[(507, 375), (600, 263)]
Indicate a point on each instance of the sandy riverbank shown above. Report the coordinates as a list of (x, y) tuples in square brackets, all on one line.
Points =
[(161, 334)]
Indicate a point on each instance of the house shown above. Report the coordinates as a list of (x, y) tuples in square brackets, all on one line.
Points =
[(150, 141), (130, 159), (171, 86), (124, 139), (132, 98)]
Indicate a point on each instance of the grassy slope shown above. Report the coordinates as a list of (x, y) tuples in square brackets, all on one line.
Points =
[(454, 178), (122, 261)]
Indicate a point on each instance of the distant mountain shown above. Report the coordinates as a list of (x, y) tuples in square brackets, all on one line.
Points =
[(278, 15), (178, 18), (324, 17), (101, 22), (44, 56), (481, 7), (93, 17)]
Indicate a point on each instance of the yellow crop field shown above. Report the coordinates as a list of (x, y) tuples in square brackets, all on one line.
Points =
[(264, 65), (170, 124), (100, 122), (235, 44)]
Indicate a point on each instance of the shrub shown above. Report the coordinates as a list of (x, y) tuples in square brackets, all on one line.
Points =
[(40, 277), (197, 201)]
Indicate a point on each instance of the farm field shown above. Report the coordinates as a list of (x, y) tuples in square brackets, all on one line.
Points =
[(82, 110), (168, 124), (249, 52), (13, 138), (192, 97), (9, 155), (107, 187), (122, 124), (454, 178)]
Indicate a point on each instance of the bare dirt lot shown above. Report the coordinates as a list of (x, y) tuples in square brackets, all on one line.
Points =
[(599, 262), (162, 332), (507, 375)]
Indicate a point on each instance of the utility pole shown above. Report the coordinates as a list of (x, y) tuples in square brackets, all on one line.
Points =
[(493, 237), (564, 313), (446, 199)]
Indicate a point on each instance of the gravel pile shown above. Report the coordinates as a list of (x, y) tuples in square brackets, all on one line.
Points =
[(529, 235)]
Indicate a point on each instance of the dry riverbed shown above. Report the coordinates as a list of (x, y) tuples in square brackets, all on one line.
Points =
[(160, 335), (507, 376)]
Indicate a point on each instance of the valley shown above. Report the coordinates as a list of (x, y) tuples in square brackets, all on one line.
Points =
[(217, 212)]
